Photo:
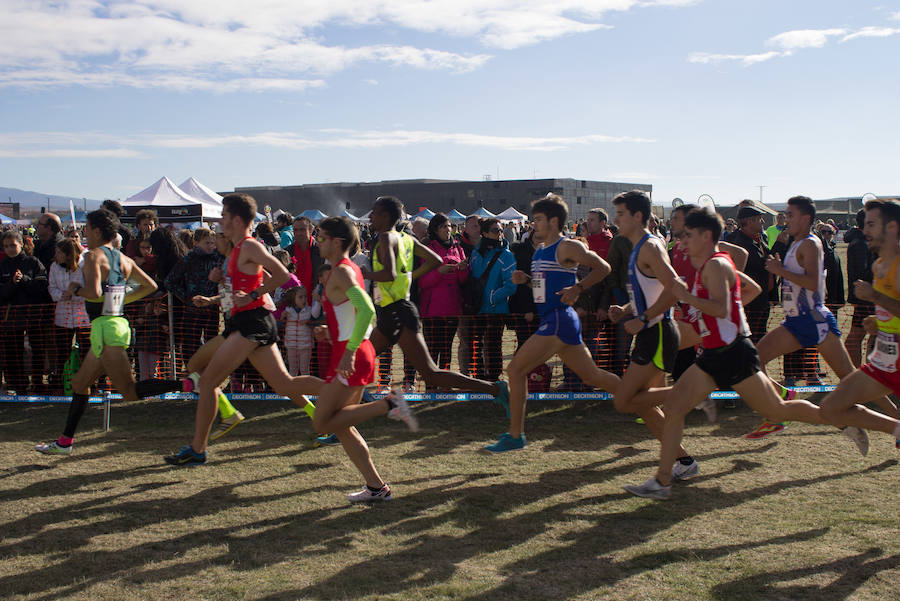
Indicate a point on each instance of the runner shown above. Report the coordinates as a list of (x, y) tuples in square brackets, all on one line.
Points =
[(251, 332), (349, 313), (808, 322), (397, 318), (106, 272), (881, 375), (553, 283), (727, 358)]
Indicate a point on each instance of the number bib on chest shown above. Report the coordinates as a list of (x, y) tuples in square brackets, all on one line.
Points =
[(114, 300), (539, 287), (227, 301), (885, 354)]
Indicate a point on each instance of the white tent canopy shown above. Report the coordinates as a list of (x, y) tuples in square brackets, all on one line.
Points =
[(511, 214), (195, 189), (172, 203)]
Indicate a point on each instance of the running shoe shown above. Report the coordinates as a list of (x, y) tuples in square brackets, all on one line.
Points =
[(226, 425), (711, 410), (367, 496), (766, 428), (651, 489), (681, 472), (507, 443), (401, 411), (367, 397), (859, 437), (502, 397), (328, 440), (191, 383), (186, 456), (53, 448)]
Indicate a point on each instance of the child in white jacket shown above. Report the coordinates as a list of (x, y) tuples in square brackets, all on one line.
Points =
[(298, 338)]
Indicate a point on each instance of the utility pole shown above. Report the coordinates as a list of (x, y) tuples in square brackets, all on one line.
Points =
[(761, 188)]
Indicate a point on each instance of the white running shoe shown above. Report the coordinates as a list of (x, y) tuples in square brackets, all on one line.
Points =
[(710, 409), (367, 496), (682, 472), (53, 448), (651, 489), (401, 411), (859, 437)]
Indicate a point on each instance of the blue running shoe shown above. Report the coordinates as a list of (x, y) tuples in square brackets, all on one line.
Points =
[(186, 456), (329, 440), (367, 397), (502, 397), (506, 443)]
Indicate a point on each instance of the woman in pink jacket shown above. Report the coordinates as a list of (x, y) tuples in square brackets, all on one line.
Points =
[(440, 291)]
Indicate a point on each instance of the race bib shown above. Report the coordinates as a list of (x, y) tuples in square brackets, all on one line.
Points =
[(789, 301), (227, 300), (886, 352), (539, 287), (376, 294), (114, 300)]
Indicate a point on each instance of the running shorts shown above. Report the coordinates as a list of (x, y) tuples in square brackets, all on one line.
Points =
[(657, 344), (363, 364), (887, 379), (810, 329), (257, 325), (391, 320), (729, 365), (563, 323), (109, 330)]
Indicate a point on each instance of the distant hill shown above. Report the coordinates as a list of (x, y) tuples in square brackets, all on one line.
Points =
[(31, 202)]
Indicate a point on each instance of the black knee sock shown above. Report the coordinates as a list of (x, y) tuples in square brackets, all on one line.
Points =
[(76, 410), (155, 386)]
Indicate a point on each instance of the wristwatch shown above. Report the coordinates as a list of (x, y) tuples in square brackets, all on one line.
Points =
[(254, 295), (643, 317)]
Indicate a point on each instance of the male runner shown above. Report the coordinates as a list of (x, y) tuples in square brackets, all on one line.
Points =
[(808, 322), (106, 271), (555, 289), (397, 317), (727, 358), (881, 375), (349, 313), (250, 333)]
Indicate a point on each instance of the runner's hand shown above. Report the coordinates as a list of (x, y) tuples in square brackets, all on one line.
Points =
[(616, 313), (345, 367), (773, 264), (241, 298), (634, 325), (679, 289), (570, 294), (864, 290), (201, 301), (870, 325), (519, 277)]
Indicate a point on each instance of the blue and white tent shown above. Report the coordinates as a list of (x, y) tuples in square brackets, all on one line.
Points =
[(4, 219), (426, 214), (455, 216), (314, 215), (483, 213)]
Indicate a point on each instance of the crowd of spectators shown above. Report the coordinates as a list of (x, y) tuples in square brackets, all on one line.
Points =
[(42, 322)]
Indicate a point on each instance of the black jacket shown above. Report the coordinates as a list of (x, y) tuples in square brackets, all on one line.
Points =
[(755, 268), (834, 276), (522, 300), (45, 251), (859, 263), (31, 289)]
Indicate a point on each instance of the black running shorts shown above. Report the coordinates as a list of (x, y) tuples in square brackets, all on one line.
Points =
[(730, 365), (657, 344), (391, 320), (256, 325)]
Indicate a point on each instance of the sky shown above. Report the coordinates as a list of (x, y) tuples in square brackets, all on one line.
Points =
[(720, 97)]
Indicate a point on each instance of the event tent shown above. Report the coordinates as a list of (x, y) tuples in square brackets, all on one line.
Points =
[(349, 215), (455, 215), (197, 190), (483, 213), (171, 203), (314, 215), (426, 214), (511, 214), (4, 219)]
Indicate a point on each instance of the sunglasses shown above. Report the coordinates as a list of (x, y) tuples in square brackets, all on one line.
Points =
[(321, 238), (496, 230)]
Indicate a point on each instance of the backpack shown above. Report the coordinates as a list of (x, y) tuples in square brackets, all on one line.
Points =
[(473, 289)]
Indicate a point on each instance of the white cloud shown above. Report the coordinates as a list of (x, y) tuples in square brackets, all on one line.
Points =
[(213, 42), (872, 32), (705, 58), (803, 38), (46, 144)]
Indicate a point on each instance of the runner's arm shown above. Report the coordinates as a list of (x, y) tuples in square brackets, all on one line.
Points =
[(432, 260), (749, 288), (573, 251), (365, 311), (658, 259), (737, 253), (866, 292), (386, 251), (715, 277), (91, 270), (146, 285), (808, 260), (278, 275)]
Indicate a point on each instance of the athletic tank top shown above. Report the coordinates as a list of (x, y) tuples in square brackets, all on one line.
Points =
[(112, 302), (549, 277), (886, 353), (719, 331), (796, 300), (643, 290), (681, 263), (385, 293), (236, 280), (341, 318)]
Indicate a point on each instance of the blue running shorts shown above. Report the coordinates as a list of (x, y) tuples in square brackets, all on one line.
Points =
[(563, 323), (810, 329)]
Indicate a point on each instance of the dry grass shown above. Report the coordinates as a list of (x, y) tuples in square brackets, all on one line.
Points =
[(797, 516)]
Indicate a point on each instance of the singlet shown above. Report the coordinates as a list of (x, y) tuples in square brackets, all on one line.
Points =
[(643, 290), (549, 277), (341, 318), (681, 263), (886, 353), (717, 332), (113, 300), (237, 280), (385, 293), (796, 300)]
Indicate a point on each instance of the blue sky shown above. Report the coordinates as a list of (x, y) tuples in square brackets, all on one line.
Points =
[(100, 99)]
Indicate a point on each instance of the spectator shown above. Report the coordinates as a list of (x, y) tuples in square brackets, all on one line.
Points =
[(420, 228), (298, 339), (49, 234), (598, 235), (285, 233), (116, 209), (749, 237), (187, 238), (265, 233), (834, 274), (305, 255), (510, 233), (615, 293), (859, 267), (70, 316), (146, 221), (495, 300), (470, 239), (523, 318), (440, 292), (773, 231), (23, 282)]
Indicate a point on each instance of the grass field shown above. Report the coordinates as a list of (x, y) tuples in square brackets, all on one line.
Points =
[(799, 515)]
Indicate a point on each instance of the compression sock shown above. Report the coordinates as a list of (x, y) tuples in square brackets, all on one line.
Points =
[(65, 441), (310, 409), (226, 409), (155, 386), (76, 410)]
